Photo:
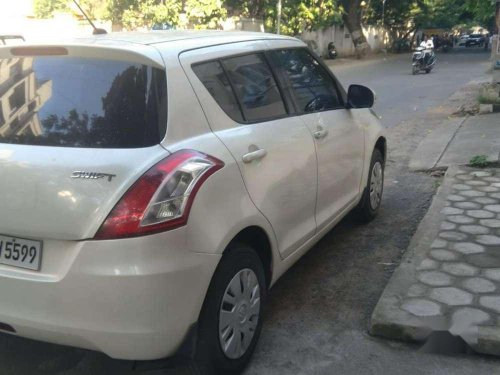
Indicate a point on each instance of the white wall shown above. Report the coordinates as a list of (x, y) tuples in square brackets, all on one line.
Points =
[(339, 35)]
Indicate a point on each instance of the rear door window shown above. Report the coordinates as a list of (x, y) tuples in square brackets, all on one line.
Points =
[(311, 86), (255, 87), (215, 81), (81, 102)]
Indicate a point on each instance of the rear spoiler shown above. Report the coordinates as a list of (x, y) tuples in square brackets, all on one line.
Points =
[(135, 53)]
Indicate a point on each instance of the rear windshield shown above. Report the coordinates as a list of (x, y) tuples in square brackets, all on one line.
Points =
[(80, 102)]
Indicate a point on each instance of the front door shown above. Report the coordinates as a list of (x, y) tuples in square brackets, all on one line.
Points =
[(337, 133)]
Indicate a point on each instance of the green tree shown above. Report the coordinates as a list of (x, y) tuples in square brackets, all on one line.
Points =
[(352, 19), (309, 15), (46, 8), (250, 8), (205, 14), (296, 15), (146, 13), (133, 14), (400, 17), (95, 9), (483, 11)]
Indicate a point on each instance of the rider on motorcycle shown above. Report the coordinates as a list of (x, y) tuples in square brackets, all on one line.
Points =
[(428, 44)]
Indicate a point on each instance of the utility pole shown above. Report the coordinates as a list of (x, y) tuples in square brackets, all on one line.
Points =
[(383, 13), (278, 22), (495, 46), (383, 25), (497, 18)]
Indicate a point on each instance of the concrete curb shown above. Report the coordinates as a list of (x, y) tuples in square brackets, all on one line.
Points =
[(456, 140), (489, 108), (432, 148), (449, 279), (388, 320)]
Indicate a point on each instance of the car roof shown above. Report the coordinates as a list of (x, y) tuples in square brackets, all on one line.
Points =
[(204, 37), (174, 42), (144, 46)]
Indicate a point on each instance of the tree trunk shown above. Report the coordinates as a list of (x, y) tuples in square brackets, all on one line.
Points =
[(352, 19)]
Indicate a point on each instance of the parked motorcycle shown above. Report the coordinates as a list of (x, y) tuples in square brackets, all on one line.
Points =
[(332, 51), (423, 60)]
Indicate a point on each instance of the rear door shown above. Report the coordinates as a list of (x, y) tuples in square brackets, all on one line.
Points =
[(338, 133), (75, 132), (274, 151)]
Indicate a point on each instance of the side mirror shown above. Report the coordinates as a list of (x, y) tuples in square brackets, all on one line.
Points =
[(360, 97)]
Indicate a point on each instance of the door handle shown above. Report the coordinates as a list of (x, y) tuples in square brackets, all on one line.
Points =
[(254, 155), (320, 134)]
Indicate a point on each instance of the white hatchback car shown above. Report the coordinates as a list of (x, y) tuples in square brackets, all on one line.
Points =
[(155, 186)]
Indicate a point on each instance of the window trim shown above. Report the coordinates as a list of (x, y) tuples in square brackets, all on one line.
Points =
[(217, 60), (278, 86), (277, 72), (341, 95), (233, 91), (265, 58)]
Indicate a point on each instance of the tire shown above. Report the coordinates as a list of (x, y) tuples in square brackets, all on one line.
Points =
[(414, 70), (368, 208), (239, 262), (428, 71)]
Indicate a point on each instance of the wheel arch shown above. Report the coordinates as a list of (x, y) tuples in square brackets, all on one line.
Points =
[(381, 145), (257, 238)]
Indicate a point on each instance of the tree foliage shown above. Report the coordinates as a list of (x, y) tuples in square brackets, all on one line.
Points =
[(205, 14), (400, 16), (133, 14), (146, 13), (483, 11), (300, 15), (47, 8), (96, 9)]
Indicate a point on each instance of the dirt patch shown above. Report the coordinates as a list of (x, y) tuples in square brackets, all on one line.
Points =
[(466, 99), (489, 93)]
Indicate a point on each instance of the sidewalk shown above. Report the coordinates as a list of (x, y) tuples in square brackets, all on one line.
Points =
[(449, 280), (457, 140)]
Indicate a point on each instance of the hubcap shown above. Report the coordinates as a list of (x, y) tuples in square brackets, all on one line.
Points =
[(239, 313), (376, 185)]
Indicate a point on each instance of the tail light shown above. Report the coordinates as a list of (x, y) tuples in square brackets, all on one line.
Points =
[(162, 198)]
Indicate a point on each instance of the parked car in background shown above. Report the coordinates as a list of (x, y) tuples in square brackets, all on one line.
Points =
[(475, 40), (156, 185), (462, 41), (163, 26)]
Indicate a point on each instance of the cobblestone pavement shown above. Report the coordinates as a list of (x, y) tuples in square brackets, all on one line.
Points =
[(456, 283)]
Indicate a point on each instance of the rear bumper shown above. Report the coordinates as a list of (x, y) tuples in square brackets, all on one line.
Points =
[(131, 298)]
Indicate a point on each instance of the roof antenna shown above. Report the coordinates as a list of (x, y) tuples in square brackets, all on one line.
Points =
[(97, 31)]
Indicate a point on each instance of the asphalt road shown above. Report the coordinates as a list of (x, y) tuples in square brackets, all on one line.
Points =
[(318, 314), (402, 96)]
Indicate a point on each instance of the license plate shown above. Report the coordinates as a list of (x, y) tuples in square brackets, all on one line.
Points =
[(20, 252)]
